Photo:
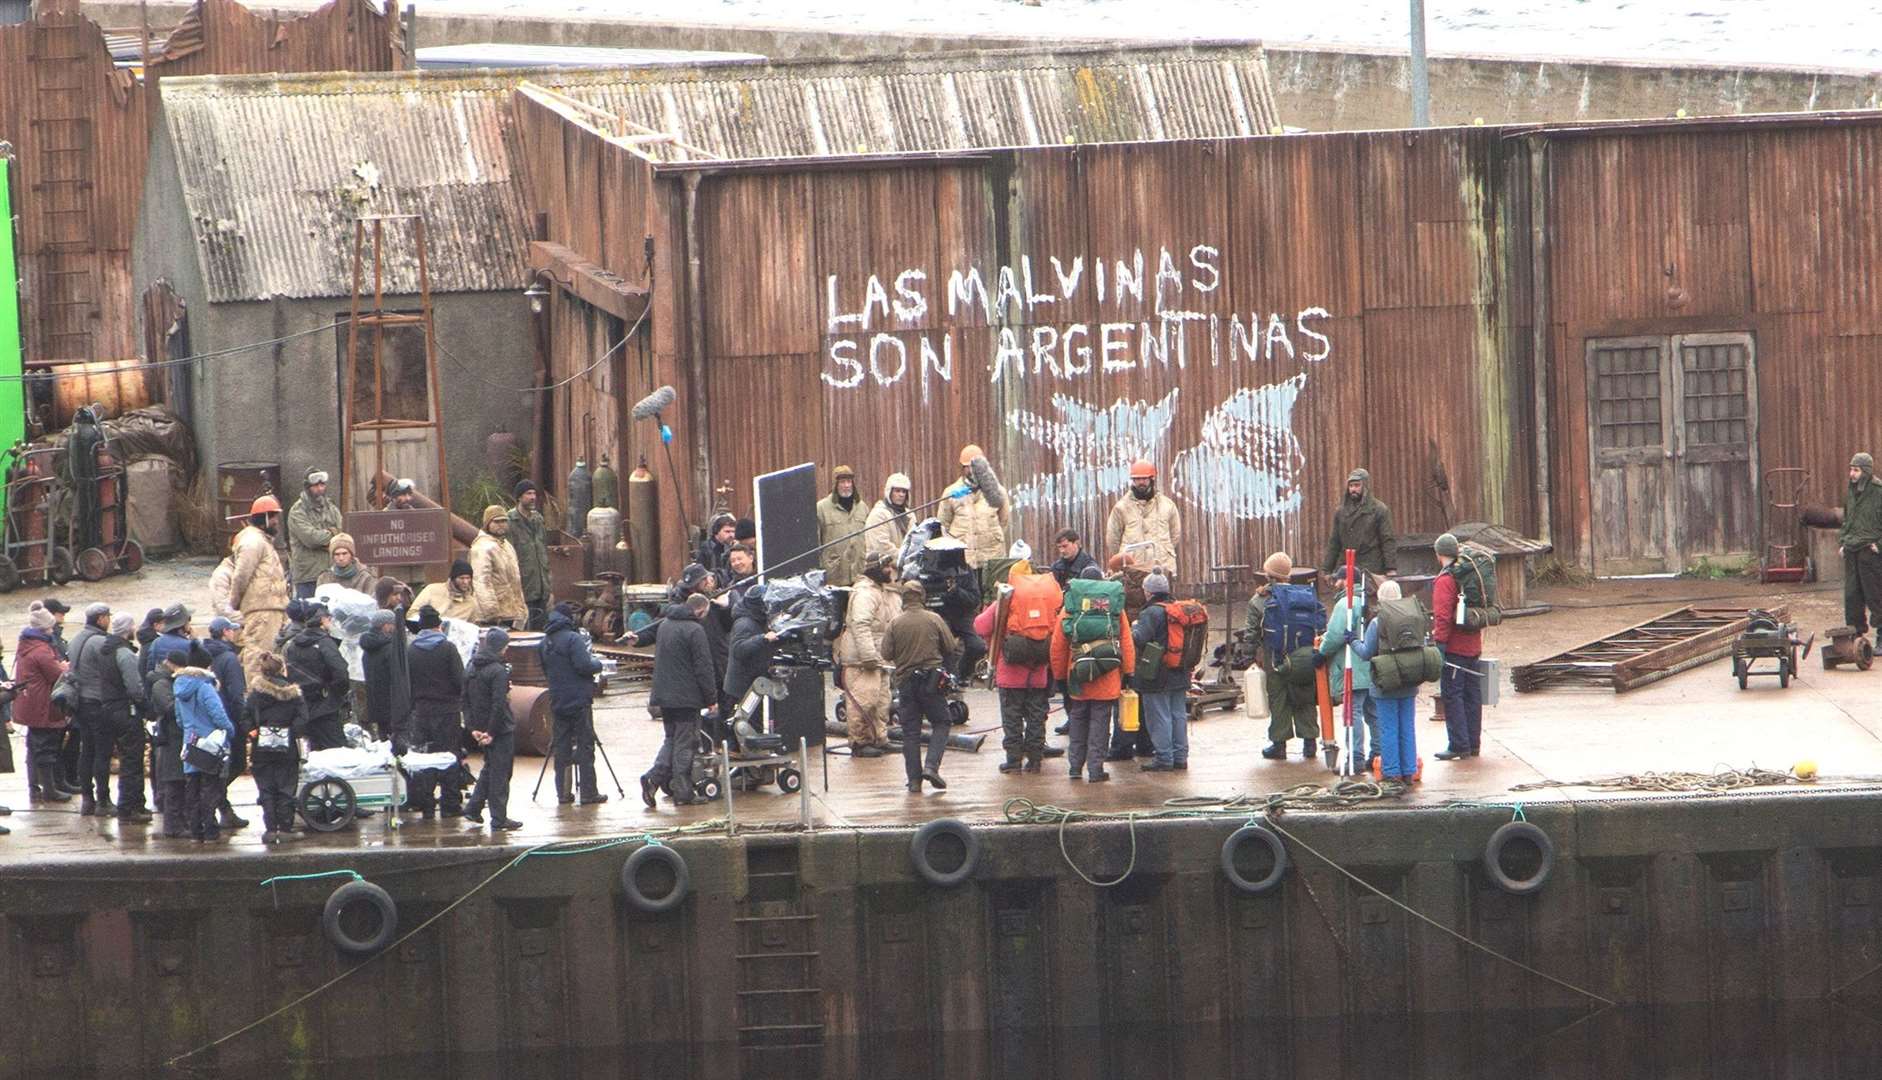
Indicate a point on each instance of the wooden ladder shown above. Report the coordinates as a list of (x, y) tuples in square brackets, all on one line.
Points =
[(63, 166)]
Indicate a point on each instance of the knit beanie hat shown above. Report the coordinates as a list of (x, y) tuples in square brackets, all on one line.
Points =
[(1446, 546), (496, 639), (460, 568), (1156, 585), (123, 625), (1279, 566), (340, 540), (492, 513), (38, 617), (428, 618), (521, 487), (1390, 591)]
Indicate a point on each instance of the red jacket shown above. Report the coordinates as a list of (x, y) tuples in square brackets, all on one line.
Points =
[(35, 668), (1008, 676), (1105, 687), (1452, 638)]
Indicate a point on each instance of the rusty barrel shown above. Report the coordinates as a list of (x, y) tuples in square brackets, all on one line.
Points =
[(524, 659), (530, 706), (238, 485), (116, 386)]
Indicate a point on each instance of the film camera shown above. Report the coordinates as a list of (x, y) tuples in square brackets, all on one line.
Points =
[(805, 614)]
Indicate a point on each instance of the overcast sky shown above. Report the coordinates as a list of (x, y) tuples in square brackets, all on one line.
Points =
[(1813, 33)]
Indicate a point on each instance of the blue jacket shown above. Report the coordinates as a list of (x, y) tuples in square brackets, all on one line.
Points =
[(226, 665), (568, 664), (199, 708)]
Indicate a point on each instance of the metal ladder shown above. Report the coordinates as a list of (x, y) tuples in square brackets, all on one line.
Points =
[(780, 996), (63, 166)]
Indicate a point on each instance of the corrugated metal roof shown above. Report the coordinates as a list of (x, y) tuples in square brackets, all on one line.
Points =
[(275, 170), (951, 101), (270, 165)]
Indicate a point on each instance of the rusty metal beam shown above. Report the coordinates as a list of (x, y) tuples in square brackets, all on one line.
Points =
[(1643, 653)]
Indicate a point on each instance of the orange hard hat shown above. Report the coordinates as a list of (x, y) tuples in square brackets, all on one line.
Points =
[(266, 504), (970, 452), (1143, 470)]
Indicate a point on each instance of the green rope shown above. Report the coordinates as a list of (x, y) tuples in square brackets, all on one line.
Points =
[(354, 874)]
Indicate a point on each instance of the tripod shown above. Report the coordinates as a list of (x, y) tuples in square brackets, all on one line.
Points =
[(600, 749)]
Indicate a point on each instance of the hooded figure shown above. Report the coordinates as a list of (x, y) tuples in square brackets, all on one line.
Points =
[(841, 516), (315, 664), (1859, 538), (200, 714), (1145, 525), (345, 569), (874, 604), (496, 579), (752, 649), (312, 522), (888, 521), (487, 717), (388, 680), (1364, 524), (437, 680), (570, 667)]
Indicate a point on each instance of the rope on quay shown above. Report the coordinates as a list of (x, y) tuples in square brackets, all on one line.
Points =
[(573, 846), (1698, 783)]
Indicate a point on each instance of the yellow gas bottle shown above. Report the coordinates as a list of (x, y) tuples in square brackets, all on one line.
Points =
[(1129, 711)]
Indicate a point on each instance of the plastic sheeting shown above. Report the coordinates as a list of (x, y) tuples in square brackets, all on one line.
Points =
[(352, 616), (800, 601)]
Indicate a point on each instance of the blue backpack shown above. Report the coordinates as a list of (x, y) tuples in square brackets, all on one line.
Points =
[(1293, 618)]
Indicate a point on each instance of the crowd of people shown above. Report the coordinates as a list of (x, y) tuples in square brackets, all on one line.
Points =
[(266, 681)]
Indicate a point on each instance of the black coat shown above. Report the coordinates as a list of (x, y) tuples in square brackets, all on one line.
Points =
[(570, 666), (160, 705), (316, 666), (683, 675), (1066, 570), (718, 624), (487, 695), (388, 688), (272, 704), (751, 653), (436, 671)]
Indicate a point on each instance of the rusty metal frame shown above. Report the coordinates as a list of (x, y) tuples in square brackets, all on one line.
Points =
[(378, 318), (1643, 653)]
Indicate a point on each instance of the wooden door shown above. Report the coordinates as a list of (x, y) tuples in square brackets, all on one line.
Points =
[(1716, 450), (1631, 443)]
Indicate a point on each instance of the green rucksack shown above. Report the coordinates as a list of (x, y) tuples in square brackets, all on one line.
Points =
[(1475, 571), (1091, 611)]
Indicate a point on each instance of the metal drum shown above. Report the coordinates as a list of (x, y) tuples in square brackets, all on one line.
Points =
[(530, 706), (524, 659)]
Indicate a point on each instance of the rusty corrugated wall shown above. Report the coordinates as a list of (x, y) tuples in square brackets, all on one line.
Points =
[(79, 129), (1767, 227), (1255, 316)]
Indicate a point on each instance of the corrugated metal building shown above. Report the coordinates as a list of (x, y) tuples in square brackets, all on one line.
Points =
[(1599, 335), (79, 128), (255, 181)]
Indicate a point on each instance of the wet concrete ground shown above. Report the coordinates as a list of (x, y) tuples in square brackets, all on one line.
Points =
[(1696, 721)]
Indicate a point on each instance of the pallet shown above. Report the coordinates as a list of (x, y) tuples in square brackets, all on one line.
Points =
[(1641, 654)]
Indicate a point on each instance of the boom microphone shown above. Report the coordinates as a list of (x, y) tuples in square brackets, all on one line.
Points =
[(655, 403), (987, 483)]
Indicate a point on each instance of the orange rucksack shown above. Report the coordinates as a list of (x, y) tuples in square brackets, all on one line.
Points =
[(1189, 633), (1031, 611)]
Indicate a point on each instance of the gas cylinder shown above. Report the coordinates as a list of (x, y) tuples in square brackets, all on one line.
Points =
[(604, 532), (581, 497), (607, 484), (643, 524)]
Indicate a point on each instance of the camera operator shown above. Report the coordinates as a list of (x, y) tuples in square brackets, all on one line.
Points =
[(683, 686), (917, 648), (754, 647), (952, 589)]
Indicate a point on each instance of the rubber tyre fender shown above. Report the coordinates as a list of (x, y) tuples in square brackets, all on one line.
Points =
[(655, 853), (1264, 836), (356, 892), (933, 830), (1492, 852)]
